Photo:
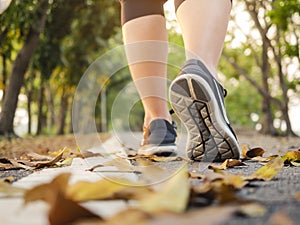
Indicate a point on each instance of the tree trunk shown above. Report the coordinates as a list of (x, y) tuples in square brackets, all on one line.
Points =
[(41, 118), (284, 88), (19, 68), (63, 113), (50, 102), (29, 99), (267, 117), (29, 93), (71, 129), (4, 75)]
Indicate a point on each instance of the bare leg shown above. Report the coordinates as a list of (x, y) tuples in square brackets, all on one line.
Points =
[(204, 25), (146, 47)]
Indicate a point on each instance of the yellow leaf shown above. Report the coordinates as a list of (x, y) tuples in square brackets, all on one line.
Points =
[(236, 181), (297, 164), (173, 196), (252, 209), (291, 156), (106, 189), (269, 171), (52, 162)]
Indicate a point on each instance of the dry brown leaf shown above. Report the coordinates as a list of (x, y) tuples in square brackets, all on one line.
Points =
[(224, 193), (208, 216), (65, 211), (156, 158), (125, 217), (196, 175), (236, 181), (62, 209), (52, 162), (38, 157), (87, 154), (228, 163), (269, 171), (46, 192), (280, 218), (173, 196), (297, 196), (249, 153), (106, 189), (120, 163), (234, 163)]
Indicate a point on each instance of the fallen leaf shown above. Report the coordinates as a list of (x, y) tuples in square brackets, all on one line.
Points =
[(209, 216), (249, 153), (87, 154), (52, 162), (297, 164), (45, 192), (62, 209), (280, 218), (156, 158), (106, 189), (234, 162), (297, 196), (8, 190), (228, 163), (236, 181), (269, 171), (173, 196), (66, 162), (120, 163), (291, 156), (38, 157), (252, 209), (66, 211), (196, 175), (125, 217)]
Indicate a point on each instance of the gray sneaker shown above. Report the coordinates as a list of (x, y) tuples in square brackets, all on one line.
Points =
[(198, 100), (159, 139)]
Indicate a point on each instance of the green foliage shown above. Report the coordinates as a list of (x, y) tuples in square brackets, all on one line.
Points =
[(283, 11)]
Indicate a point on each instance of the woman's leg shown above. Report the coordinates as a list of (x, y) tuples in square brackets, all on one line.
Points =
[(195, 95), (145, 38), (204, 25)]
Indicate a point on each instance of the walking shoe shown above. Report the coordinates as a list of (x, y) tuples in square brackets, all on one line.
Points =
[(159, 139), (198, 100)]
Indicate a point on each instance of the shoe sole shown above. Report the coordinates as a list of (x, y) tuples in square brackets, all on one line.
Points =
[(209, 137), (161, 150)]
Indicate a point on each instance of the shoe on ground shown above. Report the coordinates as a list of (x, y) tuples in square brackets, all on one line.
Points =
[(198, 100), (159, 139)]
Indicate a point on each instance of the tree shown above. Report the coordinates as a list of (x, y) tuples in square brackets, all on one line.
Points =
[(266, 44), (21, 63)]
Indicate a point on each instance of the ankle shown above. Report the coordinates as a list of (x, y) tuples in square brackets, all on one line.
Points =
[(148, 120)]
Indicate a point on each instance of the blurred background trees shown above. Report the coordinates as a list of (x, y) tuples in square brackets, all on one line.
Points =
[(46, 46)]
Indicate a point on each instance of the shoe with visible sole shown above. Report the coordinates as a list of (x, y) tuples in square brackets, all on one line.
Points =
[(198, 100), (159, 139)]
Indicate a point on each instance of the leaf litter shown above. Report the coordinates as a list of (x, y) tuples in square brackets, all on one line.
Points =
[(170, 203)]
